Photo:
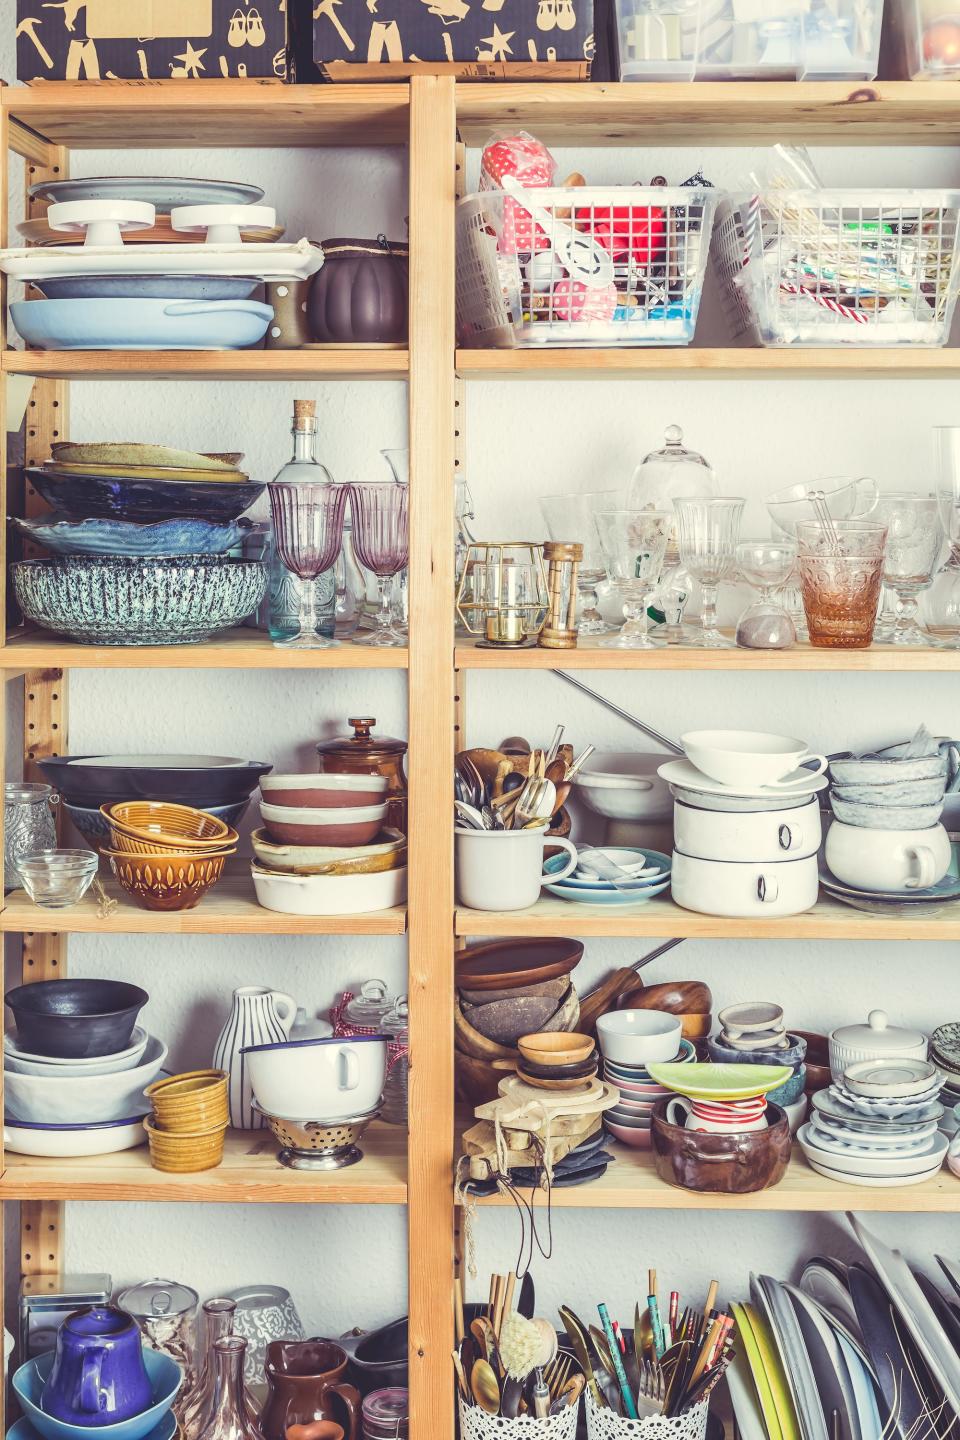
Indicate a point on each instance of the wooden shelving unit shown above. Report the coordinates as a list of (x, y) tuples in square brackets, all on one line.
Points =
[(431, 117)]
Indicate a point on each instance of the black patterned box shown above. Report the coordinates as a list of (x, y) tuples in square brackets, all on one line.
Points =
[(151, 39)]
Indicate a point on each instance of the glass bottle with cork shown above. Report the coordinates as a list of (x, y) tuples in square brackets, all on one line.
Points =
[(286, 590)]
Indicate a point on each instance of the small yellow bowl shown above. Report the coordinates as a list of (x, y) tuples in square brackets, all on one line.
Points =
[(167, 882), (556, 1047), (165, 823), (186, 1153), (192, 1101)]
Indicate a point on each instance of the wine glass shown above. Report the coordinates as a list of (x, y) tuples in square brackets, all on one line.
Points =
[(381, 538), (573, 517), (707, 531), (634, 543), (767, 565), (308, 528), (914, 542), (943, 600)]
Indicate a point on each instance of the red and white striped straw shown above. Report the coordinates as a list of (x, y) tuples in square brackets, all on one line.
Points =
[(826, 303)]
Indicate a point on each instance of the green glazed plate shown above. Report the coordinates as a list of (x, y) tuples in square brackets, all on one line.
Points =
[(705, 1081)]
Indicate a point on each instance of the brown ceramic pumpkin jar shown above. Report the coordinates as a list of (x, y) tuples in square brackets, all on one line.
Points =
[(359, 297), (363, 753)]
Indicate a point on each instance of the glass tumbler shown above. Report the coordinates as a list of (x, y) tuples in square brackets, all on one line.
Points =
[(841, 572), (573, 518), (707, 531)]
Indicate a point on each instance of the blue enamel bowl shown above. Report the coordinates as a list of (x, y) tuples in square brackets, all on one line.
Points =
[(165, 1376), (171, 538), (166, 1430), (145, 324), (118, 497)]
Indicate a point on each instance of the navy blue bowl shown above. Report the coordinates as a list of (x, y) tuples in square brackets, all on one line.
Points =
[(105, 497)]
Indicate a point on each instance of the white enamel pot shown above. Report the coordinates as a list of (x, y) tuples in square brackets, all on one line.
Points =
[(748, 887), (893, 861), (768, 835)]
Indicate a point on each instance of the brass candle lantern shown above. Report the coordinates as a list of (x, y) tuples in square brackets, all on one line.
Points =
[(502, 593), (563, 567)]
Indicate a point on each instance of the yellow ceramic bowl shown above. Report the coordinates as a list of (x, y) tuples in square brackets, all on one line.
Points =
[(167, 881), (388, 852), (195, 1100), (163, 822), (125, 844), (186, 1153), (556, 1047)]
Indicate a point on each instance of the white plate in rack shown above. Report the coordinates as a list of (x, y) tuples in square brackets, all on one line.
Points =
[(165, 193), (270, 262)]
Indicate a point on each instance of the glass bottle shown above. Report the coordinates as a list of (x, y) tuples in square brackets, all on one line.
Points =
[(350, 586), (232, 1415), (198, 1408), (286, 590), (397, 1025)]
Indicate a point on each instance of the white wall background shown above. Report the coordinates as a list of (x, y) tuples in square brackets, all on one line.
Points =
[(348, 1265)]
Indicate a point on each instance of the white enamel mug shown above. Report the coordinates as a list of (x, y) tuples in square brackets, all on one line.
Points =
[(759, 835), (503, 869), (887, 860)]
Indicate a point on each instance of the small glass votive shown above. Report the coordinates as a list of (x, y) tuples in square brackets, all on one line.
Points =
[(56, 879), (841, 574)]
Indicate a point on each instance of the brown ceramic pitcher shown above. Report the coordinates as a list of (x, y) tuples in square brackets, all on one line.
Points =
[(304, 1384)]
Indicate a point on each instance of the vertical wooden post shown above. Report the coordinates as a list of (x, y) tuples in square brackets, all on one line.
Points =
[(430, 1172)]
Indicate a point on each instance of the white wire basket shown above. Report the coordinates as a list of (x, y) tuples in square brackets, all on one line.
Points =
[(651, 242), (476, 1424), (604, 1424), (840, 267)]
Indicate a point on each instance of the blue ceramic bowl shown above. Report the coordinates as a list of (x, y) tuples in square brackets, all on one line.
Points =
[(166, 1430), (119, 537), (794, 1054), (104, 600), (791, 1089), (95, 828), (145, 324), (118, 497), (166, 1377)]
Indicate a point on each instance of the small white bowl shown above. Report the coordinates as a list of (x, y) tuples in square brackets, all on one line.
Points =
[(751, 1018), (329, 894), (747, 757), (56, 1099), (63, 1141), (24, 1063), (639, 1037)]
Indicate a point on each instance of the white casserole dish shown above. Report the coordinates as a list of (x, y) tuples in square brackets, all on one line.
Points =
[(764, 835), (329, 894)]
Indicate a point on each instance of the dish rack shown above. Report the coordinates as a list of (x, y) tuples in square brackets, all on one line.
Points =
[(651, 243), (840, 267)]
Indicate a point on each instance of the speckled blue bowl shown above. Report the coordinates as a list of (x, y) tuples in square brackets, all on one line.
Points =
[(794, 1054), (119, 497)]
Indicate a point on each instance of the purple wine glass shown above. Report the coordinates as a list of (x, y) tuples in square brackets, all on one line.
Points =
[(382, 541), (308, 529)]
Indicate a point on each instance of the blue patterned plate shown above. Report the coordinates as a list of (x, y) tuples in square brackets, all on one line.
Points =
[(121, 537)]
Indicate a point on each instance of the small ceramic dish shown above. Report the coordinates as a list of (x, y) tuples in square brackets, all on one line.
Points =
[(627, 1134), (387, 852), (626, 1118), (185, 1152), (166, 1378), (883, 817), (886, 1106), (350, 825), (793, 1053), (638, 1037), (329, 894), (828, 1103), (706, 1081), (886, 770), (892, 1079), (603, 893), (68, 1141), (761, 1040), (22, 1062), (159, 824), (195, 1100), (166, 1430), (757, 1017), (323, 791), (167, 881), (556, 1048)]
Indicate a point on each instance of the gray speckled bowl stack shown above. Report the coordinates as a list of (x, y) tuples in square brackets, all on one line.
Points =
[(885, 792)]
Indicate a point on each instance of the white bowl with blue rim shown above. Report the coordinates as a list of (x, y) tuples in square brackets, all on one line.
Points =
[(55, 1099), (65, 1141), (165, 1377)]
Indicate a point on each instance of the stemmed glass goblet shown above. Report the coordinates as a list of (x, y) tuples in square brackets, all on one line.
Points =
[(308, 528), (634, 543), (914, 542), (767, 565), (382, 541), (707, 532)]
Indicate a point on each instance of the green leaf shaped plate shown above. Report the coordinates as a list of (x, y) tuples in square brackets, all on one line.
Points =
[(705, 1081)]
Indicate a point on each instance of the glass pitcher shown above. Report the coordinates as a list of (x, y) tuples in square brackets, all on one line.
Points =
[(28, 825)]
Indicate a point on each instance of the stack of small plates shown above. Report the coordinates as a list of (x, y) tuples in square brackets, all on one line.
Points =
[(945, 1053), (645, 873), (629, 1120), (878, 1127)]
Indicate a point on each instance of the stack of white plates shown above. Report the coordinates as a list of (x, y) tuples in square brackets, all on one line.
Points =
[(879, 1126)]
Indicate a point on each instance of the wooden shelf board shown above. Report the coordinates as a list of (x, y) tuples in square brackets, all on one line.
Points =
[(736, 113), (229, 909), (631, 1183), (237, 649), (705, 363), (208, 364), (184, 114), (250, 1172), (589, 655), (828, 920)]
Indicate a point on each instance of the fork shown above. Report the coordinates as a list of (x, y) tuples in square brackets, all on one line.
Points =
[(652, 1390)]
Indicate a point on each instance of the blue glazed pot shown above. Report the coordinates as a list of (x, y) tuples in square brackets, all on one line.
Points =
[(98, 1375)]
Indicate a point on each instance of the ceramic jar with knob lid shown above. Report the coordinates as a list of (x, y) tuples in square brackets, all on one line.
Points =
[(364, 753), (877, 1040)]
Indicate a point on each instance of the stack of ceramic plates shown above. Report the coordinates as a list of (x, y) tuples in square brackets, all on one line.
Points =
[(643, 874), (629, 1120), (879, 1126)]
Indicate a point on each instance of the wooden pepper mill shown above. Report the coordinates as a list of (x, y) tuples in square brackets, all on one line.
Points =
[(563, 567)]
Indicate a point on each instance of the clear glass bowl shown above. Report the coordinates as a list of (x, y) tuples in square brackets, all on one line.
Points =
[(56, 879)]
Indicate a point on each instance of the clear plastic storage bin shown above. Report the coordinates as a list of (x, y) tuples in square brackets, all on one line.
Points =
[(595, 265), (749, 39), (922, 40), (840, 267)]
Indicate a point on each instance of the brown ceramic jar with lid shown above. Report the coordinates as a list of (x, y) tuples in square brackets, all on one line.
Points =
[(362, 753)]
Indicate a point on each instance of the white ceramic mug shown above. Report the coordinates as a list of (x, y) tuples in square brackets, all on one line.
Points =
[(689, 1121), (503, 869), (750, 757), (887, 860)]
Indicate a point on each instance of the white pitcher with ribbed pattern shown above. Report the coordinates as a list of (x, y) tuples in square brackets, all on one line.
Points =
[(259, 1017)]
